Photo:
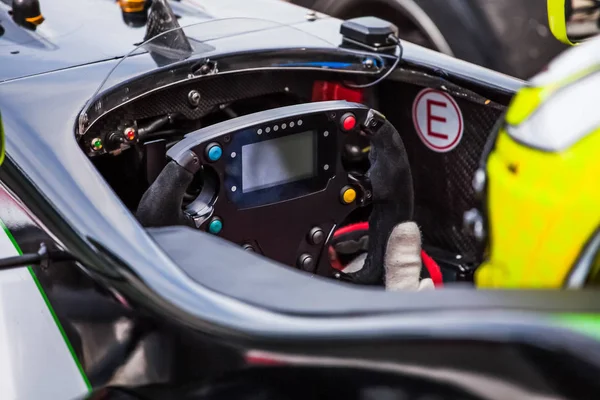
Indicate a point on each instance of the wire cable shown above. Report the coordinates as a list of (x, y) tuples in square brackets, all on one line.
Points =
[(400, 50)]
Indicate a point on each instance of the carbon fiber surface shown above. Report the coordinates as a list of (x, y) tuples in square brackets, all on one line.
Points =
[(214, 91), (443, 189), (161, 19)]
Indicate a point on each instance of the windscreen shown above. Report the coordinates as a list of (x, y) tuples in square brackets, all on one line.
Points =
[(162, 61)]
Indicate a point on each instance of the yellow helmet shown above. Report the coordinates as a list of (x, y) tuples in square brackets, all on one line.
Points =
[(540, 180)]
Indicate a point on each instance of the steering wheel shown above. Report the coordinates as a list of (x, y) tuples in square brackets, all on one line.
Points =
[(274, 182)]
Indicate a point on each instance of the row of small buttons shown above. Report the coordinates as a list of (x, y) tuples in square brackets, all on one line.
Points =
[(275, 128), (214, 150)]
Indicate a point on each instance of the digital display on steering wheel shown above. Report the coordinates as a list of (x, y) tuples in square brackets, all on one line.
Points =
[(278, 161)]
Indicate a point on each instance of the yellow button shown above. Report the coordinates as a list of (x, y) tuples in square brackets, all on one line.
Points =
[(348, 195)]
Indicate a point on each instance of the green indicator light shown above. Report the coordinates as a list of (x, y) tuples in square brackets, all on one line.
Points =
[(97, 144)]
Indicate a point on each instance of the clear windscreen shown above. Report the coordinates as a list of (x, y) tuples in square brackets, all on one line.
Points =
[(165, 59)]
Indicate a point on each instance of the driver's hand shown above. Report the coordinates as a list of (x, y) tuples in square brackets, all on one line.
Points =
[(402, 260)]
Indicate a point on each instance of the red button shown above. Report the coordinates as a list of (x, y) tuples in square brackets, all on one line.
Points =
[(349, 122), (130, 134)]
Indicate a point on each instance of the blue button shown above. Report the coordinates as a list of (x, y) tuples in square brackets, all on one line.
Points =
[(215, 226), (214, 152)]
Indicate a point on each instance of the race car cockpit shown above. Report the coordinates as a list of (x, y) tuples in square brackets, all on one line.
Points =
[(277, 149), (208, 193)]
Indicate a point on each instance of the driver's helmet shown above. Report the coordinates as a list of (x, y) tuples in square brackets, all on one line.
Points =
[(539, 180)]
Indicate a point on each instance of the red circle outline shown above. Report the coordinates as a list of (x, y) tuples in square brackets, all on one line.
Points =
[(418, 128)]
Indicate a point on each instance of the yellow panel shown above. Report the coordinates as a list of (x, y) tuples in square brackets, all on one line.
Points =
[(557, 21), (525, 102), (543, 208)]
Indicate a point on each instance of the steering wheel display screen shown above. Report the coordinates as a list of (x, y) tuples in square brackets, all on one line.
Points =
[(269, 160), (278, 161)]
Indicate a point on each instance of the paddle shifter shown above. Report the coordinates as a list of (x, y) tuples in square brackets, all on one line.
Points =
[(274, 183)]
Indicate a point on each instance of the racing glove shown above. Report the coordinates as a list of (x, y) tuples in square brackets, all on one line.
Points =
[(406, 266)]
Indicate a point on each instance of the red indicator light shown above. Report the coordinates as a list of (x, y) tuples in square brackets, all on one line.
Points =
[(349, 123), (130, 134)]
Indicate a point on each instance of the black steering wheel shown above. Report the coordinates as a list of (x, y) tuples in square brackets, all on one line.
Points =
[(291, 220)]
